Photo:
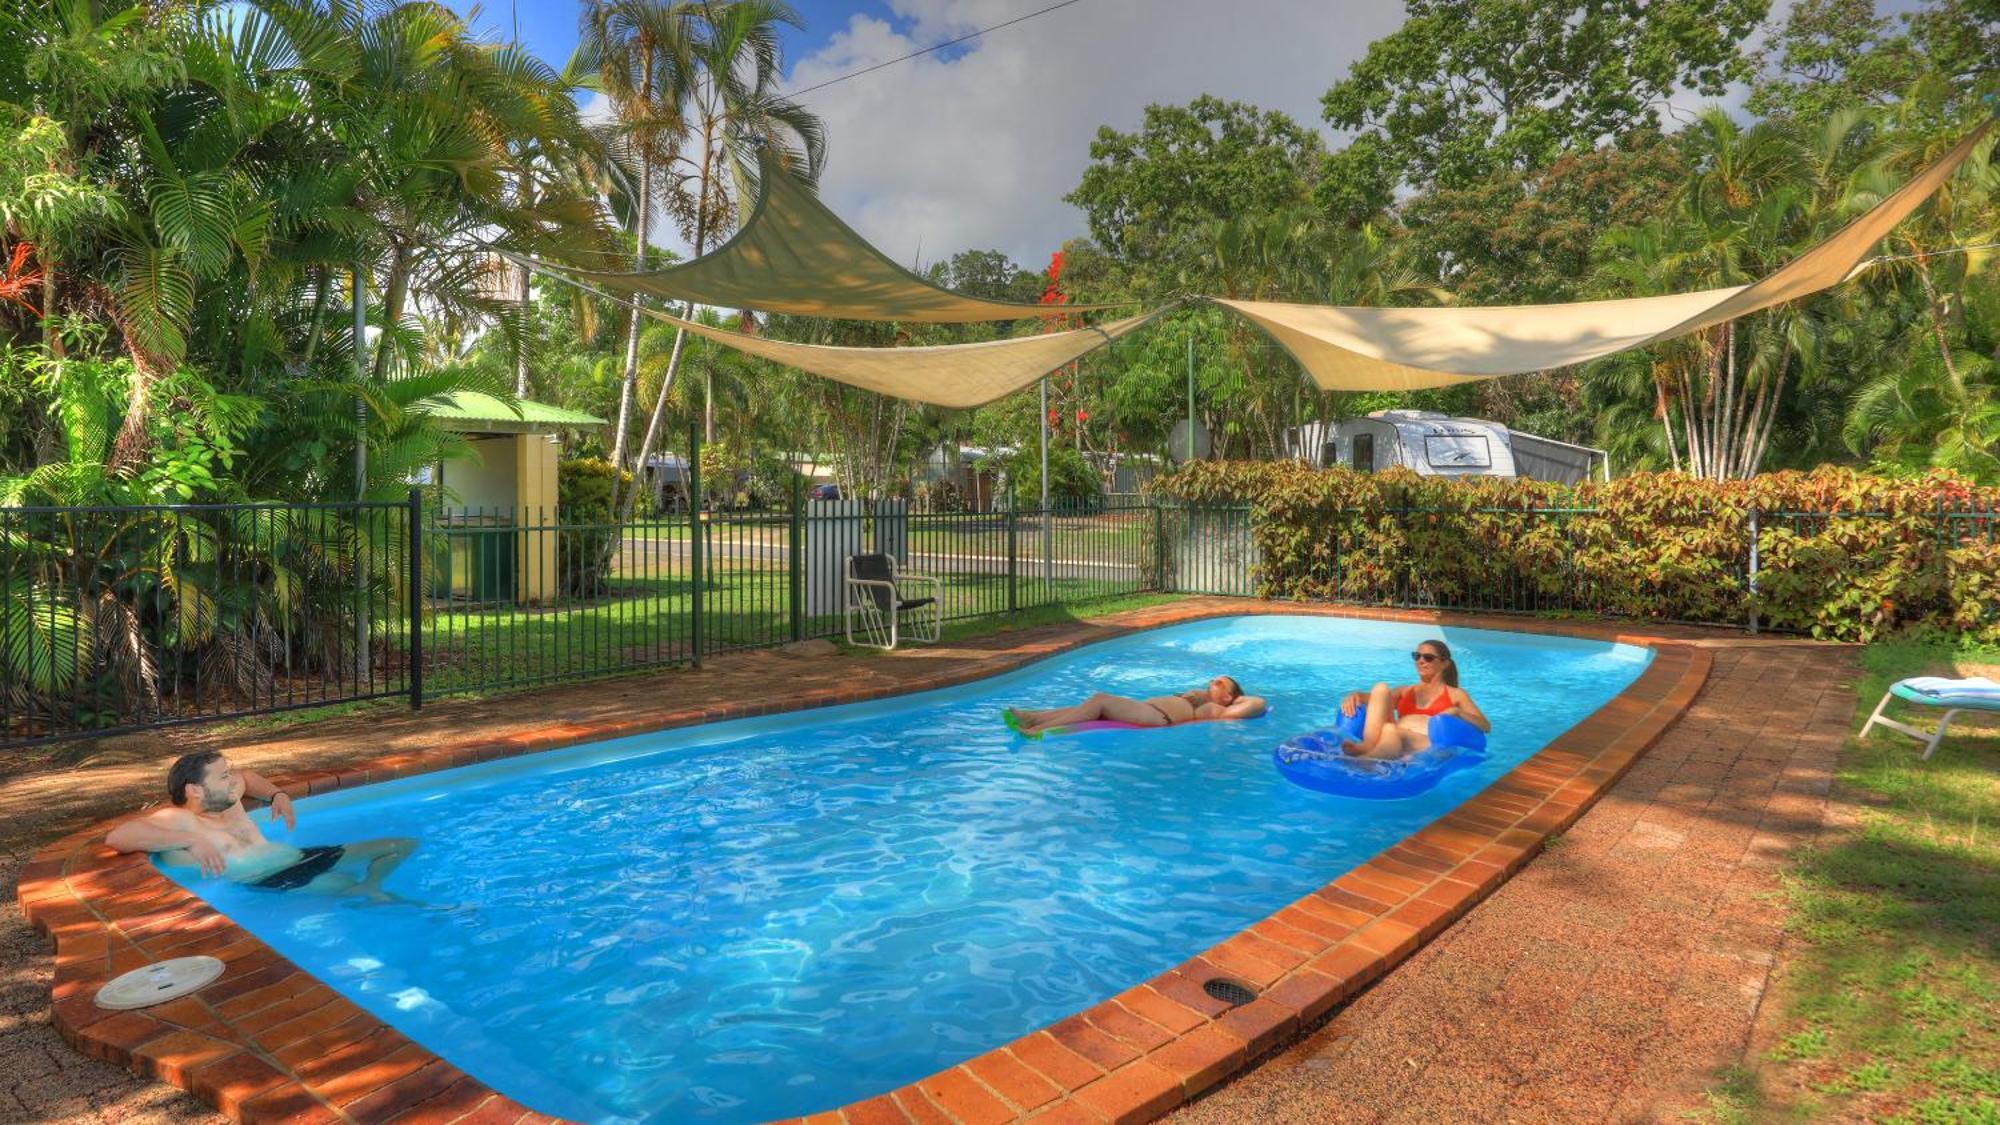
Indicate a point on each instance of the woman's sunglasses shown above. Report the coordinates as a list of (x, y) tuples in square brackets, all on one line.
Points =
[(1425, 657)]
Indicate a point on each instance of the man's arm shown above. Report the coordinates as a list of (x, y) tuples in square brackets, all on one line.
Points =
[(166, 830), (257, 785)]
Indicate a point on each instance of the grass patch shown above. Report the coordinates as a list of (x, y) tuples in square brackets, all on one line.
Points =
[(1891, 1000)]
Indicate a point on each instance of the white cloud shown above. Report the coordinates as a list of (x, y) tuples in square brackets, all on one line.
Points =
[(975, 148)]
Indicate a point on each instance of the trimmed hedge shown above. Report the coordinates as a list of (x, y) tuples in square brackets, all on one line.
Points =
[(1841, 555)]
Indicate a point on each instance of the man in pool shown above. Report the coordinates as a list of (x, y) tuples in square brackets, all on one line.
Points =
[(1223, 698), (206, 826)]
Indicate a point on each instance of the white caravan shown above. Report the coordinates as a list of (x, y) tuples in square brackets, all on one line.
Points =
[(1438, 445)]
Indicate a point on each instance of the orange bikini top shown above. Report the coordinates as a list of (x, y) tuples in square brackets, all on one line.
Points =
[(1406, 703)]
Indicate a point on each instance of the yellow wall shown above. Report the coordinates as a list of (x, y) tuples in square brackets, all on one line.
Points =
[(535, 491)]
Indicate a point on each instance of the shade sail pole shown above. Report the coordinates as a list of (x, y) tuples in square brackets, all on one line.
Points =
[(1048, 574)]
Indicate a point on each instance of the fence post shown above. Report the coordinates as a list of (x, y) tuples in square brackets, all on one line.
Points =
[(793, 572), (696, 535), (416, 645), (1754, 536), (1013, 559), (1159, 546)]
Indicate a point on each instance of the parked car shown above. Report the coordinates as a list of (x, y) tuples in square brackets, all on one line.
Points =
[(824, 492)]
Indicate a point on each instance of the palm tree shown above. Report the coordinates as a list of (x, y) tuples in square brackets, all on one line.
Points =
[(639, 50), (731, 111)]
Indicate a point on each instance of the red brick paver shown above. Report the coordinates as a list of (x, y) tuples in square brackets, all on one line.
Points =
[(1612, 977), (1116, 1061)]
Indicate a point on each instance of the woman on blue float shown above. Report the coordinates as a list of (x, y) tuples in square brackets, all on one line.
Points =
[(1398, 718)]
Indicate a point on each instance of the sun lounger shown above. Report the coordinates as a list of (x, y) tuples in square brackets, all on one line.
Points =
[(1974, 694)]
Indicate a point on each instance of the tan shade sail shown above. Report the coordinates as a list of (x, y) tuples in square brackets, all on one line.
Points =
[(795, 256), (1378, 349), (954, 375)]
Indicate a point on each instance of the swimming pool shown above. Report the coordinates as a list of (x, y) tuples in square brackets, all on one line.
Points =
[(771, 916)]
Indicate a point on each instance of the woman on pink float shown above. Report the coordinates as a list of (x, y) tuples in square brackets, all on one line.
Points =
[(1223, 698), (1398, 721)]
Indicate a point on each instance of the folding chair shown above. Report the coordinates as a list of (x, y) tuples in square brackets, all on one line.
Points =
[(875, 596)]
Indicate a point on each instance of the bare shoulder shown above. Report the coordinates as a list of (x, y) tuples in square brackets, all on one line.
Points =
[(170, 816), (1248, 707)]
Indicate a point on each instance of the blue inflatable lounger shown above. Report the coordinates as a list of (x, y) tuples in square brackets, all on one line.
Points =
[(1317, 762)]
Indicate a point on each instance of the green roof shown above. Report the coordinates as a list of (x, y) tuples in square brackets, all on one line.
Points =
[(476, 409)]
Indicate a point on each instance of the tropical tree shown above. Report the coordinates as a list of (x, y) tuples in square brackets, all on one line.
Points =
[(731, 115)]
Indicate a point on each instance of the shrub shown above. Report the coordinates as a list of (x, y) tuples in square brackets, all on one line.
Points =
[(1841, 554), (937, 498), (1072, 482), (584, 550)]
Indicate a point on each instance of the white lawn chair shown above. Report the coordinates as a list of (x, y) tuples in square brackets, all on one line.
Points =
[(875, 596), (1975, 694)]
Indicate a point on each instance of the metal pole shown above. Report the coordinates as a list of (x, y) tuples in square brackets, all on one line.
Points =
[(1753, 571), (695, 532), (361, 662), (416, 646), (793, 549), (360, 376), (1048, 574)]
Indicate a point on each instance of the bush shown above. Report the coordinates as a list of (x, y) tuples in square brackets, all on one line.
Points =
[(1072, 482), (937, 498), (585, 549), (1842, 555)]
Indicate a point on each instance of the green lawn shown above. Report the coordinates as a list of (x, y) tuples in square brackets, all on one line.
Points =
[(1891, 998), (649, 623)]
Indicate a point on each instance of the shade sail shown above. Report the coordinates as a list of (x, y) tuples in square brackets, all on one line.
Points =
[(954, 375), (795, 256), (1378, 349)]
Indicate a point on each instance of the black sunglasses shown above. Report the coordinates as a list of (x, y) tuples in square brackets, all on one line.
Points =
[(1426, 657)]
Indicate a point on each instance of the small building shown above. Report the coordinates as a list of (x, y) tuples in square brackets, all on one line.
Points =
[(500, 512), (975, 471), (1439, 445)]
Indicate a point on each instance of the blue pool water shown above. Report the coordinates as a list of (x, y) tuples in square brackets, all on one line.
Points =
[(772, 916)]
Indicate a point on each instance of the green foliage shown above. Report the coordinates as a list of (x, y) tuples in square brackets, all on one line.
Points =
[(1467, 88), (1148, 195), (1886, 557), (1072, 482), (586, 489)]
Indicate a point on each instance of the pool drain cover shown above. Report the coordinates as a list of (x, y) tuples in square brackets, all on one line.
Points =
[(158, 983), (1229, 991)]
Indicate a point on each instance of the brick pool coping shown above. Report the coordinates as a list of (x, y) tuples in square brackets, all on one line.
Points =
[(269, 1042)]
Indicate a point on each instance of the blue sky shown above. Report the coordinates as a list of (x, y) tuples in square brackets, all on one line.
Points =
[(549, 29)]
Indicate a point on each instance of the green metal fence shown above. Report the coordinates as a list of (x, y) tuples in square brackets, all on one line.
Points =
[(120, 618)]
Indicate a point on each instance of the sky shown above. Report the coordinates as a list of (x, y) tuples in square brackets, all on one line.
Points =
[(974, 147)]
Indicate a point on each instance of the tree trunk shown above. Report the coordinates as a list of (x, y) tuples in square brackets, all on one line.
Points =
[(652, 432), (641, 224), (1935, 308), (1666, 422), (51, 338), (393, 298), (318, 318), (1764, 438)]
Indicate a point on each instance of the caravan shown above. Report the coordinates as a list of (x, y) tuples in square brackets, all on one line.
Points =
[(1438, 445)]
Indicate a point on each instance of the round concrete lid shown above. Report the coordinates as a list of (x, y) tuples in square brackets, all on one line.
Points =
[(158, 983)]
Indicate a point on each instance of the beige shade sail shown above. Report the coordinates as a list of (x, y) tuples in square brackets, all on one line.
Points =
[(953, 375), (1380, 349), (795, 256)]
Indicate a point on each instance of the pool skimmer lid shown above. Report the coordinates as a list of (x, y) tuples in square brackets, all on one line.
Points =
[(158, 983), (1230, 992)]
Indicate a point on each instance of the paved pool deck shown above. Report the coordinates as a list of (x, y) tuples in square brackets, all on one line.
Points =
[(1610, 978)]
